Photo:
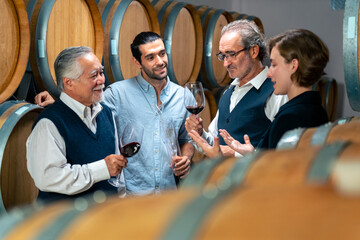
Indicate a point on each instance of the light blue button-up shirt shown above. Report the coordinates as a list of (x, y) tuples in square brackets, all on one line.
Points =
[(135, 100)]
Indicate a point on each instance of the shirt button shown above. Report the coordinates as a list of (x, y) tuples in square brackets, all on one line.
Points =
[(156, 187), (156, 133), (153, 96), (156, 169), (156, 150)]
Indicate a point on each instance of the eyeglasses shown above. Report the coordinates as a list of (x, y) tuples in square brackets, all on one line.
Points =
[(222, 56)]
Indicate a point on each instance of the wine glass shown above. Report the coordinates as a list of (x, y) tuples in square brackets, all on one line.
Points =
[(194, 98), (170, 136), (130, 143)]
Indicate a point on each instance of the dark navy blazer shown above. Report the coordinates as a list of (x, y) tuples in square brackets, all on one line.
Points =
[(304, 110)]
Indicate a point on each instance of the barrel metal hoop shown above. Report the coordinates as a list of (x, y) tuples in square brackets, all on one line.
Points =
[(162, 11), (105, 12), (344, 120), (55, 228), (321, 133), (323, 163), (114, 39), (154, 2), (40, 47), (350, 53), (190, 219), (208, 47), (168, 36), (30, 8), (327, 90), (13, 218), (200, 173), (204, 15), (290, 138)]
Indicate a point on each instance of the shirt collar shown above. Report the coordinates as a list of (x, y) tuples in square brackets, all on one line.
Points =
[(80, 109), (257, 81), (145, 85)]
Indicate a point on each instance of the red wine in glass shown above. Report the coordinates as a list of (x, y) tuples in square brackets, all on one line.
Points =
[(194, 110), (130, 142), (194, 98), (130, 149)]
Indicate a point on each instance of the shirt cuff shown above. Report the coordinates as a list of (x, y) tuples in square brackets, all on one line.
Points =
[(99, 170)]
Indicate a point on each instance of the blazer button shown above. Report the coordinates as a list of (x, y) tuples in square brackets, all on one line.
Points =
[(227, 120)]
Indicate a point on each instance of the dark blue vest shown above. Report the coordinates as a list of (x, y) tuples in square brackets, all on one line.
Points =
[(248, 116), (82, 145)]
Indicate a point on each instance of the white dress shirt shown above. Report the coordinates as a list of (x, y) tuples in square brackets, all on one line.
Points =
[(272, 106), (46, 155)]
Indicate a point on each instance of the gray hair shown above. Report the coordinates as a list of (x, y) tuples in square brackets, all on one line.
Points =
[(67, 65), (250, 35)]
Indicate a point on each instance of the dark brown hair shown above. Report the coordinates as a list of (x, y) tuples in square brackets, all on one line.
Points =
[(310, 51)]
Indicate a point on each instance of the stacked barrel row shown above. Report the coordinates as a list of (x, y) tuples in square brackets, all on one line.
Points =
[(33, 32), (300, 190)]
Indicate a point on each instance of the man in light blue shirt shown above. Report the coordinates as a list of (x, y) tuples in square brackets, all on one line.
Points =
[(150, 99)]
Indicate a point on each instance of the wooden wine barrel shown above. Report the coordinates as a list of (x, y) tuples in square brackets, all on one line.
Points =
[(257, 21), (16, 120), (345, 129), (213, 74), (329, 95), (123, 20), (276, 210), (351, 53), (102, 5), (56, 25), (274, 167), (14, 47), (210, 109), (29, 222), (181, 30)]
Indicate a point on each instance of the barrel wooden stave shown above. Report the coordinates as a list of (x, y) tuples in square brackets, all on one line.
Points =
[(50, 36), (184, 50), (17, 186), (296, 212), (15, 47), (256, 20), (279, 209), (39, 217), (329, 95), (212, 73), (119, 32), (278, 167), (97, 214), (342, 132)]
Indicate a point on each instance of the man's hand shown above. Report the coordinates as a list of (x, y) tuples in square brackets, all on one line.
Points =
[(181, 166), (210, 151), (194, 123), (236, 145), (44, 99), (115, 163)]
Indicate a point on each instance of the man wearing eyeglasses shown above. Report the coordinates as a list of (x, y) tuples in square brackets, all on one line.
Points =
[(248, 106)]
